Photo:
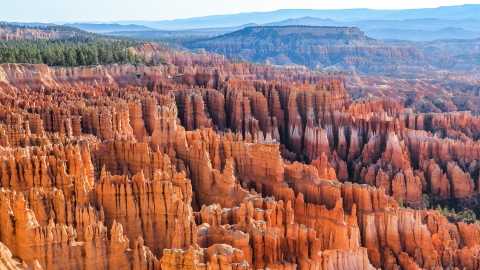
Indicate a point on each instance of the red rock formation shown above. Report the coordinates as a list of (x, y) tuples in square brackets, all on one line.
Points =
[(325, 171), (462, 183), (408, 188), (86, 168), (316, 46), (8, 32)]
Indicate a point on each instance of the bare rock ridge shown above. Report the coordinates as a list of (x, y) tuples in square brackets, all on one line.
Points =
[(12, 32), (204, 164), (314, 47), (424, 91)]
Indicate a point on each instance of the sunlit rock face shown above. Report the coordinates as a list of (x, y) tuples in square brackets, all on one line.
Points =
[(344, 48), (203, 164)]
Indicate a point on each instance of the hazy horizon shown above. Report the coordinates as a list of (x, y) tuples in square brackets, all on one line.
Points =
[(56, 11)]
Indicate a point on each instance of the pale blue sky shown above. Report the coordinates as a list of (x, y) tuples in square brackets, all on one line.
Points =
[(155, 10)]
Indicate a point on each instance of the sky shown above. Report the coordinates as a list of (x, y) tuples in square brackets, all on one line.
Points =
[(157, 10)]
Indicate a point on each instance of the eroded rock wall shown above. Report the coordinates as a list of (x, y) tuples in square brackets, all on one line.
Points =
[(235, 172)]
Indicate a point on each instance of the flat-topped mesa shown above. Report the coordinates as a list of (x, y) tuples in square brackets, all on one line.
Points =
[(311, 46), (314, 30), (311, 35)]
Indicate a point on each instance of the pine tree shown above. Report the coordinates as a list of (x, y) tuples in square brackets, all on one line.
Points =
[(439, 209), (70, 51), (400, 203)]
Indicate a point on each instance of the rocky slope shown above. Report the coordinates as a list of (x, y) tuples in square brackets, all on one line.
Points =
[(196, 165), (461, 54), (423, 92), (11, 32), (316, 47)]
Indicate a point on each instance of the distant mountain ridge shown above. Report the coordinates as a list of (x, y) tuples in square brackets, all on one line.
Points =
[(423, 35), (20, 32), (217, 21), (450, 22), (425, 24), (417, 24), (411, 29), (468, 11), (105, 28)]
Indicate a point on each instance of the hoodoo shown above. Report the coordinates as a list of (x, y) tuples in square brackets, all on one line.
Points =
[(164, 170), (123, 154)]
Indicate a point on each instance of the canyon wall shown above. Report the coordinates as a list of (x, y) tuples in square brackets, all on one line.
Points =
[(8, 32), (340, 48), (204, 164)]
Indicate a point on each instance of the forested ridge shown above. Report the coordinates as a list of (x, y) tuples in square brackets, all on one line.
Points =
[(47, 28), (84, 49), (58, 28), (78, 51)]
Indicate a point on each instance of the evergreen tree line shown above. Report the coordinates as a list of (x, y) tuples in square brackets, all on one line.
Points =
[(60, 28), (77, 51), (160, 36)]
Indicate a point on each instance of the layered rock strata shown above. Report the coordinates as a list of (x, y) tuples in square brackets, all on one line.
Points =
[(104, 169)]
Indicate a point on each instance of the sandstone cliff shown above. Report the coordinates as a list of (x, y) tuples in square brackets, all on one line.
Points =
[(203, 164), (13, 32), (314, 47)]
